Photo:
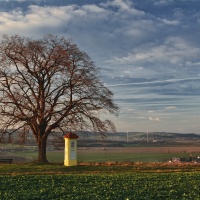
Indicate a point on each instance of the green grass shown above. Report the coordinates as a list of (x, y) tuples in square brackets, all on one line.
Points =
[(107, 156), (139, 179), (123, 186), (33, 181), (134, 157), (89, 168)]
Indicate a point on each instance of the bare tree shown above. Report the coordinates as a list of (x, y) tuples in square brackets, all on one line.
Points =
[(49, 85), (22, 136)]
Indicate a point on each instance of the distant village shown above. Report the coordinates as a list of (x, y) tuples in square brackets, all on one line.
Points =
[(87, 138), (26, 142)]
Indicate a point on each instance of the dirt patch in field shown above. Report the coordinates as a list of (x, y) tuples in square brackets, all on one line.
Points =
[(141, 165)]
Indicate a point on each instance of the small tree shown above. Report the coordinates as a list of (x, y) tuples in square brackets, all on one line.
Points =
[(49, 85)]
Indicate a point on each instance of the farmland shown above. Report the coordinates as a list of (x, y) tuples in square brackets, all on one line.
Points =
[(132, 171), (120, 154), (104, 173), (121, 185), (160, 147)]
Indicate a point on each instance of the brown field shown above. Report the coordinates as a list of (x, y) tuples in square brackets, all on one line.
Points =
[(187, 149)]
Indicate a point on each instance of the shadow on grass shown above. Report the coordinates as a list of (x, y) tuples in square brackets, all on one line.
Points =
[(95, 168)]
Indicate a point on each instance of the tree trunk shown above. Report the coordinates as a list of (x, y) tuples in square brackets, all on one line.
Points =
[(42, 157)]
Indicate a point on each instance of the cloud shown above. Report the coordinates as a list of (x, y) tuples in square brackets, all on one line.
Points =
[(123, 6), (113, 28), (170, 22), (174, 50), (163, 2), (127, 72), (170, 107), (48, 18), (141, 117), (16, 0), (148, 52), (151, 111), (153, 82), (35, 19), (94, 9), (154, 119)]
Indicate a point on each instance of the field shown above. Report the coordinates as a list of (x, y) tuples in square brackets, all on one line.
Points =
[(103, 173), (120, 154), (140, 181), (131, 172), (110, 173), (136, 154)]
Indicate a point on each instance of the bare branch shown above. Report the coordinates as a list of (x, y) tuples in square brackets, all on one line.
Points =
[(51, 85)]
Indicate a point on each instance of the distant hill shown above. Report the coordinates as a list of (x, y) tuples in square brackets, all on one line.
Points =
[(137, 138), (120, 139), (134, 135)]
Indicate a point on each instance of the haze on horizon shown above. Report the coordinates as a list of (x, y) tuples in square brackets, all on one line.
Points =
[(148, 52)]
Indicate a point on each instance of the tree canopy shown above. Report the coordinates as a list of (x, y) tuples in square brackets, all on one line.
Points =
[(50, 85)]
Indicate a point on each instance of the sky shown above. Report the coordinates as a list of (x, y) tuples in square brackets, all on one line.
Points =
[(148, 52)]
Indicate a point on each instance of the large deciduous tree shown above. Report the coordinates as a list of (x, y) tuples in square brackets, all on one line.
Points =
[(49, 85)]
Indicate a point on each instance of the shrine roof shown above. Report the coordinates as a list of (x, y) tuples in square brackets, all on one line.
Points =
[(71, 136)]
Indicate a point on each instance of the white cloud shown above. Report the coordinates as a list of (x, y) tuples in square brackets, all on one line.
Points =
[(173, 51), (163, 2), (34, 19), (153, 53), (94, 9), (141, 117), (193, 64), (151, 111), (17, 0), (170, 22), (126, 6), (49, 18), (170, 107), (127, 72), (154, 119)]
